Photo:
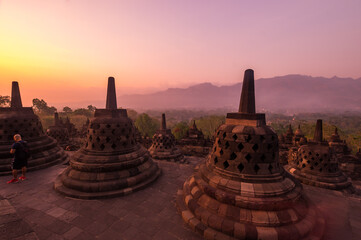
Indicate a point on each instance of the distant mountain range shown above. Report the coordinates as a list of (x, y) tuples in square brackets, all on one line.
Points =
[(290, 93)]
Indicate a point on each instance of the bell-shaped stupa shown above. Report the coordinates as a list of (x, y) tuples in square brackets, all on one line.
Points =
[(241, 191), (17, 119), (111, 163), (316, 164), (58, 131), (164, 146)]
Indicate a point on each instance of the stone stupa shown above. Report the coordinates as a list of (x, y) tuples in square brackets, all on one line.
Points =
[(316, 164), (338, 146), (299, 138), (58, 131), (17, 119), (111, 163), (241, 191), (164, 146)]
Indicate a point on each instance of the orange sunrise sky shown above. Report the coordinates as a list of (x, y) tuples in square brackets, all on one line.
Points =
[(64, 50)]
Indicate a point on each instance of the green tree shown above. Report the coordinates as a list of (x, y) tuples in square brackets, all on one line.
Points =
[(179, 130), (42, 107), (132, 114), (146, 125), (4, 101), (91, 108), (67, 110), (83, 111), (209, 124)]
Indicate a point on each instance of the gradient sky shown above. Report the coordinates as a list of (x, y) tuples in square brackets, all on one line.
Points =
[(63, 51)]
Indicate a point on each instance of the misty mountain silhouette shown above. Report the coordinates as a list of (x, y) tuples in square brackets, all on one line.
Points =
[(297, 93)]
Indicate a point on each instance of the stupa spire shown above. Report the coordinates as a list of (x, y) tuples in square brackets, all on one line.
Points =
[(247, 103), (56, 119), (318, 137), (15, 96), (111, 94), (164, 125)]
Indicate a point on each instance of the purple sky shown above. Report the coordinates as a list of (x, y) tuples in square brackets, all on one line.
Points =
[(58, 49)]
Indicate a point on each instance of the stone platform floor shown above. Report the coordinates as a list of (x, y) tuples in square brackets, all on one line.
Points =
[(147, 214)]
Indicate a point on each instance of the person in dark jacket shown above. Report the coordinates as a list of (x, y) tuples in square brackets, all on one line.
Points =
[(20, 161)]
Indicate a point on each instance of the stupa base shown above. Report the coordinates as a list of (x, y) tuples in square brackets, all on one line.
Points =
[(218, 214), (170, 156), (338, 183), (148, 179)]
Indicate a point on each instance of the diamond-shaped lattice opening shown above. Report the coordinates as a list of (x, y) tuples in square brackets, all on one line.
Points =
[(303, 165), (102, 131), (233, 156), (240, 167), (248, 138), (107, 139), (263, 157), (102, 146), (248, 157), (113, 131), (269, 146), (224, 135), (320, 170), (316, 164), (321, 160), (255, 147), (234, 137), (221, 152), (114, 146), (219, 141), (317, 154), (90, 138), (270, 168), (311, 167), (262, 138), (225, 164), (256, 168), (273, 138), (98, 139), (308, 161), (218, 132), (108, 125), (226, 144), (215, 160), (240, 146)]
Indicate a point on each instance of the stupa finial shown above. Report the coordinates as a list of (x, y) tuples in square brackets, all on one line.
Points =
[(111, 94), (56, 119), (318, 137), (164, 125), (247, 103), (15, 96)]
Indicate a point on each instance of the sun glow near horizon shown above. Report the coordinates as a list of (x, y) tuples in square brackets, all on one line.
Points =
[(63, 51)]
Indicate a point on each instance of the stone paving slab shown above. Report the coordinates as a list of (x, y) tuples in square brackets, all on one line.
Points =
[(147, 214), (11, 225)]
